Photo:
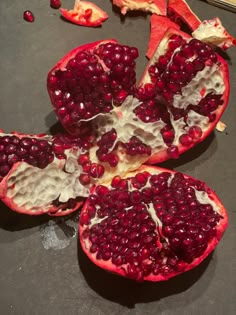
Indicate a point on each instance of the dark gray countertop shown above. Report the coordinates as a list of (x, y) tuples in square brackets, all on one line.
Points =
[(39, 277)]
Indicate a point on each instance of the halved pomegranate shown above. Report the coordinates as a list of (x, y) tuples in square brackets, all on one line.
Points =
[(153, 6), (152, 224), (85, 13)]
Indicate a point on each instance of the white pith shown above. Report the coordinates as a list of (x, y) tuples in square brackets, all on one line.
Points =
[(126, 5), (213, 32), (209, 79)]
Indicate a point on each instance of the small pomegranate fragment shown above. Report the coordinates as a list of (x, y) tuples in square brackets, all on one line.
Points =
[(28, 16), (166, 225), (55, 4), (209, 31), (85, 13), (153, 6), (179, 12), (213, 32)]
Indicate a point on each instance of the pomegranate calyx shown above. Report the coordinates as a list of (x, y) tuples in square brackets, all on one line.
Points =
[(85, 13)]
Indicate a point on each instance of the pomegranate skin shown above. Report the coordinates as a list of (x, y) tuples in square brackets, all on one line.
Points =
[(183, 266), (85, 13)]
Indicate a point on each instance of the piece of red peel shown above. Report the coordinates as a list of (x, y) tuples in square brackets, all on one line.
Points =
[(85, 13), (158, 27), (154, 6)]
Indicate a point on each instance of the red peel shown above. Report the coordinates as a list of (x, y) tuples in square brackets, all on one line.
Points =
[(159, 25), (183, 12), (85, 13)]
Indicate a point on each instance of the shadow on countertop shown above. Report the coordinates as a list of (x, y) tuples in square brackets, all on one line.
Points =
[(128, 292)]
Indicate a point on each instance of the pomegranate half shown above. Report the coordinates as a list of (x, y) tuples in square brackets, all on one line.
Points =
[(151, 225)]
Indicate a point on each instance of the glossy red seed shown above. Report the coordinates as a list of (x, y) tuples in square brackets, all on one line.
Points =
[(28, 16)]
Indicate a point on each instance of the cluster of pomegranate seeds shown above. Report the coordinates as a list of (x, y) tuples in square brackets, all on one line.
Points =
[(28, 16), (66, 141), (121, 226), (106, 146), (33, 151), (110, 68), (136, 147), (208, 105), (55, 4), (89, 169)]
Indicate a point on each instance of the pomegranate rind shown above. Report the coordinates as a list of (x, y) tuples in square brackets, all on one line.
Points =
[(155, 6), (183, 11), (108, 266), (85, 13), (158, 27)]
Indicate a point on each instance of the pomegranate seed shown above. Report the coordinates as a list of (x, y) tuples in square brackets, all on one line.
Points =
[(55, 4), (28, 16), (186, 139)]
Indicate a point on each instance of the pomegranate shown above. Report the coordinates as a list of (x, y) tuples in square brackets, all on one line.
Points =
[(151, 225), (85, 13), (141, 222), (28, 16), (153, 6)]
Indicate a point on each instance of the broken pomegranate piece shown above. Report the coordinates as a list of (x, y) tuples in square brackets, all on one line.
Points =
[(179, 12), (39, 173), (151, 225), (153, 6), (209, 31), (85, 13), (213, 32), (179, 100)]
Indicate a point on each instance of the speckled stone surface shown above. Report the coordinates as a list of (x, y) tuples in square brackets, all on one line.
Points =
[(41, 274)]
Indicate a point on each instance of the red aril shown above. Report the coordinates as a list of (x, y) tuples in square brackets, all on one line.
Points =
[(55, 4), (153, 238), (28, 16)]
